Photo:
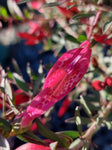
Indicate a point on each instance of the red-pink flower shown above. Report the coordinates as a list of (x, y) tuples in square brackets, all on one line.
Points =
[(64, 107), (69, 10), (103, 39), (98, 85), (37, 5), (69, 13), (68, 71), (36, 33), (108, 81), (32, 38), (61, 79), (20, 97), (31, 146)]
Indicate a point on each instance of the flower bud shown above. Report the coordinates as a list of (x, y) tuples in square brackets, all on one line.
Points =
[(61, 79), (108, 81), (98, 85), (68, 71)]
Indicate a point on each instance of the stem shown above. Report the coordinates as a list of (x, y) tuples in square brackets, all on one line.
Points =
[(102, 8), (95, 126), (93, 24)]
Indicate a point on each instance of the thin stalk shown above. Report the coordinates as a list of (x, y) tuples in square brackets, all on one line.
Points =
[(95, 126)]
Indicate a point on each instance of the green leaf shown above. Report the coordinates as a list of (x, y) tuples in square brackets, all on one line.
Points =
[(75, 143), (4, 145), (62, 141), (9, 74), (107, 26), (85, 107), (17, 17), (21, 83), (16, 66), (24, 1), (31, 137), (83, 15), (84, 120), (82, 38), (27, 14), (37, 84), (108, 125), (5, 127), (72, 134), (52, 4), (78, 120), (109, 90), (93, 106), (53, 145), (7, 88), (94, 97), (3, 12), (71, 38)]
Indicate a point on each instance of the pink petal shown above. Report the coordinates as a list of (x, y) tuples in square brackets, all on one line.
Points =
[(61, 79), (40, 104), (31, 146), (67, 72)]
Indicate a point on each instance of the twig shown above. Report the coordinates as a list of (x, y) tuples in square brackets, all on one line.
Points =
[(94, 23), (102, 8), (95, 126), (89, 133)]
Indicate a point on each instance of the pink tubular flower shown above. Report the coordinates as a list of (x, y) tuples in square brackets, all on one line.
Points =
[(61, 79), (31, 146)]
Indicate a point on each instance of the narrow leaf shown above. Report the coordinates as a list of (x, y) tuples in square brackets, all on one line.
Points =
[(71, 38), (78, 120), (72, 134), (85, 107), (84, 120), (5, 127), (52, 4), (51, 135), (21, 83), (30, 137), (37, 84), (93, 97), (24, 1), (53, 145), (93, 106), (107, 26), (82, 38), (6, 86), (83, 15), (3, 12), (75, 143)]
